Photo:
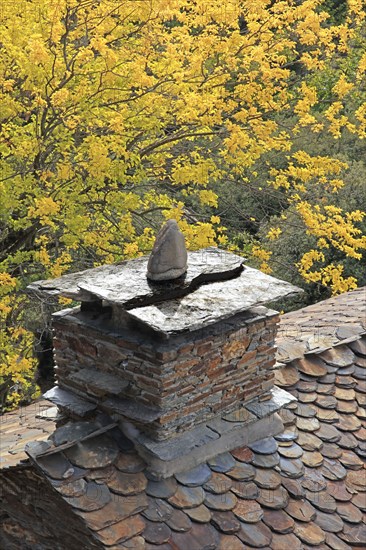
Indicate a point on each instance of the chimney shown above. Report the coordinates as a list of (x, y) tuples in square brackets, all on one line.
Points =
[(184, 365)]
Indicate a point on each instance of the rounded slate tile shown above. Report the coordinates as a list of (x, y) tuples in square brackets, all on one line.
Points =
[(360, 434), (325, 389), (121, 530), (290, 434), (338, 356), (331, 450), (195, 477), (351, 461), (226, 522), (135, 543), (335, 543), (349, 512), (130, 463), (248, 511), (333, 470), (201, 535), (359, 500), (266, 446), (311, 365), (309, 533), (307, 387), (307, 424), (306, 411), (358, 346), (331, 523), (345, 381), (347, 441), (326, 401), (242, 472), (301, 510), (97, 452), (361, 399), (75, 489), (361, 413), (179, 521), (157, 510), (327, 432), (73, 431), (156, 533), (309, 441), (344, 394), (275, 499), (291, 468), (220, 503), (222, 463), (245, 489), (329, 416), (312, 459), (230, 542), (354, 481), (285, 542), (55, 466), (187, 497), (307, 397), (123, 483), (293, 487), (266, 461), (101, 475), (328, 378), (96, 496), (200, 514), (162, 489), (278, 521), (322, 501), (256, 535), (267, 479), (348, 423), (354, 535), (287, 376), (293, 451), (218, 484), (243, 454), (313, 480), (339, 491), (287, 416), (360, 372)]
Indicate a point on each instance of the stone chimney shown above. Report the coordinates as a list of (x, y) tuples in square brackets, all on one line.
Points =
[(184, 366)]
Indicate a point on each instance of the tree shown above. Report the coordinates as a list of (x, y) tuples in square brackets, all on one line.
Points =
[(117, 114)]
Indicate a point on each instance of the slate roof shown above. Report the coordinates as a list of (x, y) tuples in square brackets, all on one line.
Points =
[(18, 427), (305, 488)]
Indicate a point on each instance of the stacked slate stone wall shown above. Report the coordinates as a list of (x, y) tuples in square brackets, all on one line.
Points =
[(33, 516), (188, 378)]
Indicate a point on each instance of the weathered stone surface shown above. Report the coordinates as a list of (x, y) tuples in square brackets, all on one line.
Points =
[(113, 282), (222, 503), (340, 356), (312, 366), (256, 535), (158, 510), (73, 431), (202, 535), (179, 521), (309, 533), (187, 497), (292, 468), (245, 489), (168, 258), (329, 522), (275, 499), (222, 463), (196, 476), (67, 400), (156, 533), (322, 501), (130, 463), (288, 542), (124, 483), (120, 531), (97, 452), (213, 302), (120, 507), (218, 484), (225, 522), (354, 535), (266, 461), (301, 510), (165, 488), (96, 496), (248, 511), (267, 479), (265, 446), (242, 472), (56, 466), (278, 521), (200, 514), (290, 451), (349, 512), (97, 382)]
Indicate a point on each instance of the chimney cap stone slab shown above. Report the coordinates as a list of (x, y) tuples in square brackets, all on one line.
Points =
[(125, 284)]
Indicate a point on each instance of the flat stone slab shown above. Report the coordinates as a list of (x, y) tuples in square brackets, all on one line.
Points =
[(98, 382), (69, 401), (213, 302), (126, 283)]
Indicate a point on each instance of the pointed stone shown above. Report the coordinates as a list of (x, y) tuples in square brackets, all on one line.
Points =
[(168, 259)]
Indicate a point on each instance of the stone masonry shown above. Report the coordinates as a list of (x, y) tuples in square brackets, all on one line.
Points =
[(183, 381)]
